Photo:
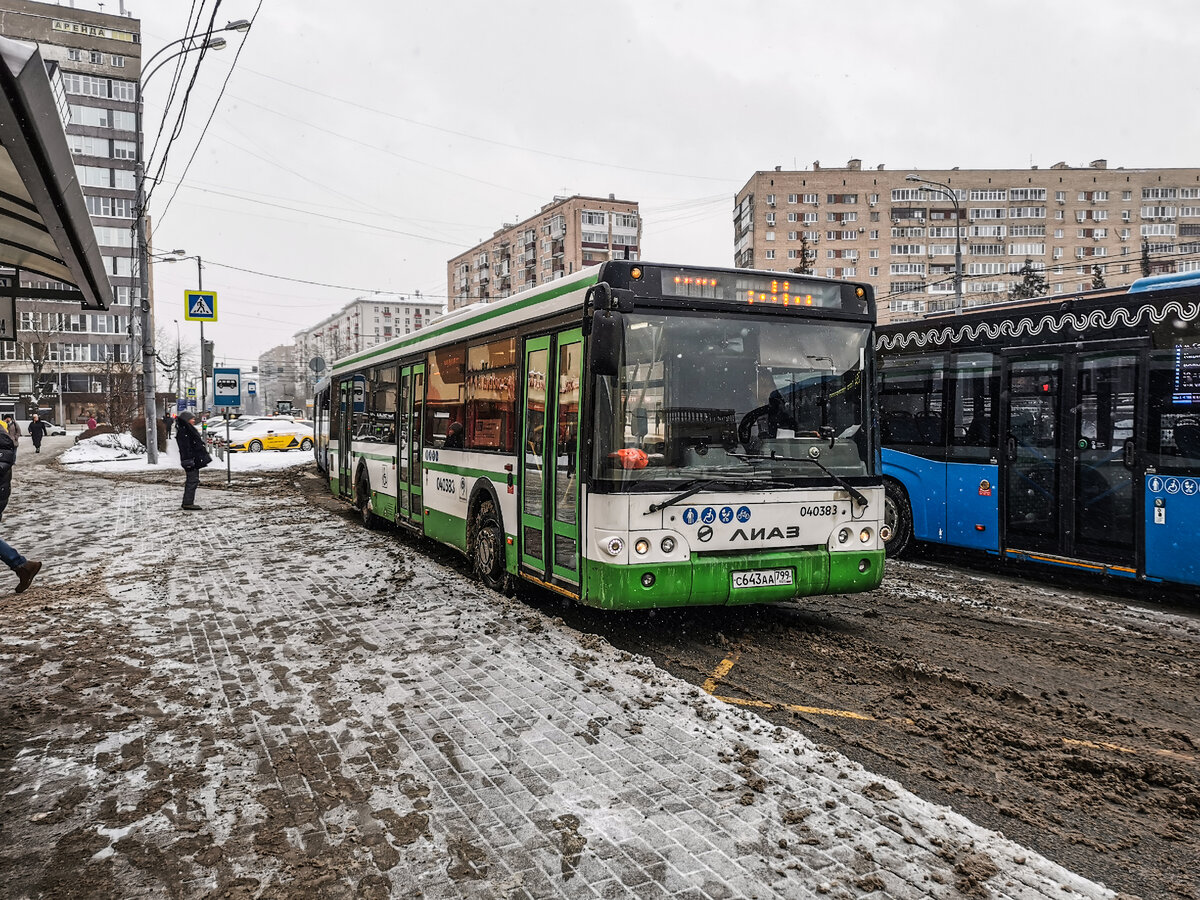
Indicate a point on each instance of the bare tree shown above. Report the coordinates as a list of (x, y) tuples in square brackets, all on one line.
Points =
[(118, 381), (37, 344)]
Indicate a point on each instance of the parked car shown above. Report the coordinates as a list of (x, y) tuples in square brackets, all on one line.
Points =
[(268, 434)]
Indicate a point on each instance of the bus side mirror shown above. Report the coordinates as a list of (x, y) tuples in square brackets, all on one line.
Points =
[(606, 339)]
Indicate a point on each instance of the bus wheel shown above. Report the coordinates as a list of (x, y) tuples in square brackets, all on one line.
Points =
[(897, 516), (487, 547), (363, 501)]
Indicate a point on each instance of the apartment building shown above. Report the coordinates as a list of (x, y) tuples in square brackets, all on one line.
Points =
[(564, 236), (361, 324), (96, 58), (1078, 226)]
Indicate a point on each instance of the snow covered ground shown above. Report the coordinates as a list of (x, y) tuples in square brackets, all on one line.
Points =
[(128, 457)]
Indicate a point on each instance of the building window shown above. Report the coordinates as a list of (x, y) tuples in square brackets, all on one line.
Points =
[(770, 254), (74, 54), (96, 58), (118, 62)]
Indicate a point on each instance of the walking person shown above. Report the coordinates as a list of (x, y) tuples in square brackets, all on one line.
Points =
[(192, 455), (26, 569), (168, 420), (91, 423), (37, 431)]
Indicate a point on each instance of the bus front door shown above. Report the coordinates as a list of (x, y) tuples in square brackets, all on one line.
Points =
[(411, 403), (549, 501), (345, 429)]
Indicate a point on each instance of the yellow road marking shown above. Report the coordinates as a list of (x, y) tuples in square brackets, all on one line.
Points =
[(1117, 748), (724, 666), (722, 669)]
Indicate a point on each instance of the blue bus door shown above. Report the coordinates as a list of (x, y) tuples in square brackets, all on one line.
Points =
[(1032, 488), (1104, 454), (1070, 457)]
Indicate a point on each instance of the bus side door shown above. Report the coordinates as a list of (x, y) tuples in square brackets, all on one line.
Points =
[(408, 416), (345, 428), (549, 500)]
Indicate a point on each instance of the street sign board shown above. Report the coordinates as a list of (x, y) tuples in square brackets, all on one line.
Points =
[(191, 392), (251, 388), (200, 306), (227, 387)]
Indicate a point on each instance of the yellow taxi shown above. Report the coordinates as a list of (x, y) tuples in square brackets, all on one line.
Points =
[(256, 435)]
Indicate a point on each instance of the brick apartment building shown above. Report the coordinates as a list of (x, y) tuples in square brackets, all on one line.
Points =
[(565, 235), (1075, 224)]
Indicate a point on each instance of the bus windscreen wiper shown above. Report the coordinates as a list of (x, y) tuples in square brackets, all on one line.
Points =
[(694, 487), (841, 482)]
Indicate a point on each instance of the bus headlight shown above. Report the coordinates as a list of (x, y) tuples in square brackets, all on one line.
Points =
[(864, 535), (885, 533), (642, 546), (614, 546), (844, 535), (667, 545)]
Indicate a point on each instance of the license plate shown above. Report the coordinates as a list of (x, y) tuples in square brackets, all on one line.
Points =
[(762, 578)]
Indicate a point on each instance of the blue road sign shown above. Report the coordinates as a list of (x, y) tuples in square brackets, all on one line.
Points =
[(200, 306), (227, 387)]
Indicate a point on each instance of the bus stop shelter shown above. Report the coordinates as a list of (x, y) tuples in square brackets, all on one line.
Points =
[(45, 230)]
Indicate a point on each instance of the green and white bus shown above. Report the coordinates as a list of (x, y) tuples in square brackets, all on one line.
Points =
[(632, 436)]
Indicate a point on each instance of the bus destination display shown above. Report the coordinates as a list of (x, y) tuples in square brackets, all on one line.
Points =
[(757, 289)]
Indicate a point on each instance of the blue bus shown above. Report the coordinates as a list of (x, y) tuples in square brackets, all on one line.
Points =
[(1063, 430)]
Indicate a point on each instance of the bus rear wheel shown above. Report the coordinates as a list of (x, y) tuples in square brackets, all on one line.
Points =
[(897, 516), (487, 548)]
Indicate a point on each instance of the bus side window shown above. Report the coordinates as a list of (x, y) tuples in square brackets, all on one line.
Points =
[(975, 423)]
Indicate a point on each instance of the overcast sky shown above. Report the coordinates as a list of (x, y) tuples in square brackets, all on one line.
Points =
[(362, 144)]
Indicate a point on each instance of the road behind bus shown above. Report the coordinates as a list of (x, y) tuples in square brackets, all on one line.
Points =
[(1064, 715)]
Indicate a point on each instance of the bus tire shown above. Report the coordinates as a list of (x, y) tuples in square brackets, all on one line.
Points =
[(897, 515), (487, 547), (362, 499)]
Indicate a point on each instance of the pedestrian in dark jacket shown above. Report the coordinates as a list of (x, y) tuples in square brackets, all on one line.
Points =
[(37, 431), (26, 569), (192, 455)]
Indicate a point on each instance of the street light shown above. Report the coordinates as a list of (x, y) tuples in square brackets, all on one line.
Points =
[(199, 41), (949, 192), (178, 256)]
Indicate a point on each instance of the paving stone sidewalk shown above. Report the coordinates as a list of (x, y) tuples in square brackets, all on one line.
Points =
[(266, 700)]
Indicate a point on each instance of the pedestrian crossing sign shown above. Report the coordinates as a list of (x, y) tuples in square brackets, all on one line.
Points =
[(200, 306)]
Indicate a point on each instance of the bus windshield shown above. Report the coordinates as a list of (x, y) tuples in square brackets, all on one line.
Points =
[(732, 398)]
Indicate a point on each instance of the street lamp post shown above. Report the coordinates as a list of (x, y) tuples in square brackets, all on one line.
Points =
[(949, 192), (199, 41), (178, 256)]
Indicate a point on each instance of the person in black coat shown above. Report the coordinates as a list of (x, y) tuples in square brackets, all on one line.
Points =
[(192, 455), (26, 569), (37, 431)]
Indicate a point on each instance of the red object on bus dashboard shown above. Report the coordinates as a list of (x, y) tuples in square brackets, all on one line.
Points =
[(630, 458)]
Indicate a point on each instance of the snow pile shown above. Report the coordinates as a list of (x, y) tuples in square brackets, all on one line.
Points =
[(104, 448)]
